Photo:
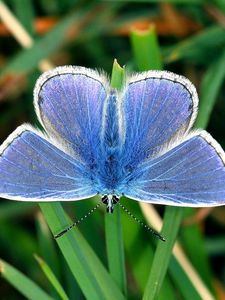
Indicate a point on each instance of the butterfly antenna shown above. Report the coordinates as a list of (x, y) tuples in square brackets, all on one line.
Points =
[(142, 223), (78, 221)]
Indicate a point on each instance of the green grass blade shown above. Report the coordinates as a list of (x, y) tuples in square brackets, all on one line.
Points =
[(113, 227), (92, 227), (28, 59), (192, 239), (51, 277), (85, 266), (47, 245), (117, 77), (146, 49), (115, 248), (171, 223), (24, 11), (210, 86), (71, 284), (182, 282), (140, 252), (22, 283), (199, 47)]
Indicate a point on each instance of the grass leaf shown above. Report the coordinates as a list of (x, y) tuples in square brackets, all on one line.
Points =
[(85, 266), (210, 86), (171, 223), (22, 283), (51, 277), (198, 47), (146, 49)]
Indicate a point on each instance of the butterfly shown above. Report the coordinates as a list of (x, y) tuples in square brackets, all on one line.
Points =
[(134, 142)]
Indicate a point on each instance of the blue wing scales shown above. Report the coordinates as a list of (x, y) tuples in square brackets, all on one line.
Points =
[(190, 174), (69, 103), (157, 107), (34, 169)]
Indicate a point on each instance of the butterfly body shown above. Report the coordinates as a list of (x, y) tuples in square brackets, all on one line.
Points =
[(110, 150)]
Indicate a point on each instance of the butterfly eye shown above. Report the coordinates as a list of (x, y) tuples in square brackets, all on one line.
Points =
[(115, 199), (105, 199)]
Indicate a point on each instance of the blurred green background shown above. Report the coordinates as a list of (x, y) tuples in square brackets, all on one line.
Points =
[(191, 37)]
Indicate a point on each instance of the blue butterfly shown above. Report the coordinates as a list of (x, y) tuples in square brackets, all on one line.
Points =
[(97, 140)]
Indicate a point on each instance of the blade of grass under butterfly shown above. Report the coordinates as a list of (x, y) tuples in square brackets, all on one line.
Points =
[(22, 283), (171, 222), (72, 287), (182, 282), (140, 252), (173, 215), (85, 266), (192, 238), (47, 245), (51, 277), (113, 228), (92, 227), (192, 284)]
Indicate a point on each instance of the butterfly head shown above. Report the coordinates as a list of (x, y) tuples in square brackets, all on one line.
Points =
[(110, 201)]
